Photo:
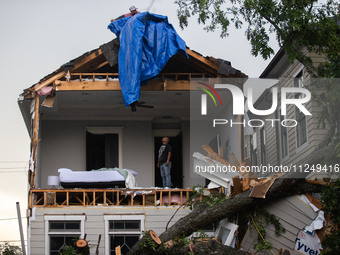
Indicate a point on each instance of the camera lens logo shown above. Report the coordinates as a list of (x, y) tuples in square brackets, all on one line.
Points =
[(204, 97)]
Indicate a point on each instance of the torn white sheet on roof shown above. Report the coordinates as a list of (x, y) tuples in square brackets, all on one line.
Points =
[(306, 200), (317, 223)]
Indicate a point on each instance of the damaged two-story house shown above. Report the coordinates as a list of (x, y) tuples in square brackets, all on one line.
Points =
[(77, 122)]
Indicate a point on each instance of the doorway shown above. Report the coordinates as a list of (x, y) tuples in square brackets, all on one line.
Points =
[(176, 161)]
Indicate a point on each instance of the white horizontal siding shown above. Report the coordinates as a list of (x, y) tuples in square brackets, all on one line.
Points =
[(293, 215), (155, 219)]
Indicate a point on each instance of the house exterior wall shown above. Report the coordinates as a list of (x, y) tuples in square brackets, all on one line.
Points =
[(293, 214), (63, 145), (156, 219), (272, 134)]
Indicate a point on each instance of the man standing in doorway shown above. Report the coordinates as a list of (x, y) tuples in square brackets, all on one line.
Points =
[(164, 155)]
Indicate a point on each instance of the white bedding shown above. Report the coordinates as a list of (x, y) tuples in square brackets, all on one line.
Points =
[(68, 176)]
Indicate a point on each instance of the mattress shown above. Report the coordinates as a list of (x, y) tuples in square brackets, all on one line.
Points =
[(92, 179)]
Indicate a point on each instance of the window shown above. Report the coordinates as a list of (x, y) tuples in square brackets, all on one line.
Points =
[(103, 147), (61, 231), (101, 151), (283, 138), (253, 149), (123, 231), (301, 127), (226, 231), (263, 146)]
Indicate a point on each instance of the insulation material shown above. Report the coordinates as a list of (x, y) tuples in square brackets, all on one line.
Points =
[(147, 42), (45, 91)]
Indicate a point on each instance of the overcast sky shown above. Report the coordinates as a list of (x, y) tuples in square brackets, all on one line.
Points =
[(38, 36)]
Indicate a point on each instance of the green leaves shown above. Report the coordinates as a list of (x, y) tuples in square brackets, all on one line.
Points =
[(262, 243), (296, 23), (197, 197), (330, 197)]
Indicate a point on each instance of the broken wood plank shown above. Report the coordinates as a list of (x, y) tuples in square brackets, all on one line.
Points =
[(246, 163), (50, 80), (237, 185), (246, 182), (203, 60), (317, 182), (35, 140), (215, 156), (100, 65), (48, 102), (234, 160), (118, 252)]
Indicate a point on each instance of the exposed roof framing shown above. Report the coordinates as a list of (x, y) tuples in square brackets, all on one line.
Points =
[(105, 59)]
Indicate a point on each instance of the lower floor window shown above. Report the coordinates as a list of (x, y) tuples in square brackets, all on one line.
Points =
[(58, 242), (62, 231), (123, 231)]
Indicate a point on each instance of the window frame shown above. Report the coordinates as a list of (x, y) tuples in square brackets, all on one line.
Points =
[(286, 157), (62, 218), (227, 225), (299, 147), (122, 217), (263, 141), (253, 140)]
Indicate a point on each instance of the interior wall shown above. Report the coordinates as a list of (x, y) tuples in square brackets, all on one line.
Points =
[(63, 145), (138, 151), (190, 179)]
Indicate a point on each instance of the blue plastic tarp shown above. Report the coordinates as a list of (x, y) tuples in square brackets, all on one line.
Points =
[(147, 42)]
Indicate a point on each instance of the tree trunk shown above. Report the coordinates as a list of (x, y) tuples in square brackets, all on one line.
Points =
[(82, 247), (203, 215)]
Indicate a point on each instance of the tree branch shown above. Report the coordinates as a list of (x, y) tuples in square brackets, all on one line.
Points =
[(203, 215)]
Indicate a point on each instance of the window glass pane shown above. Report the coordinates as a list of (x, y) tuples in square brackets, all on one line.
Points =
[(124, 249), (132, 225), (56, 225), (116, 240), (131, 240), (118, 225), (224, 234), (72, 225), (70, 240), (56, 242)]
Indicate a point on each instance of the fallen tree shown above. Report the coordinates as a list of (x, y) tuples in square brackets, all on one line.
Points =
[(204, 214)]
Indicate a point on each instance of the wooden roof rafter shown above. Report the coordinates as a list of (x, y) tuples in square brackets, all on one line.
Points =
[(76, 67), (202, 60), (95, 60)]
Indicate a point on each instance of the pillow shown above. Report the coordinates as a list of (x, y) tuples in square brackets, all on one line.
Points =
[(63, 170), (133, 172)]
